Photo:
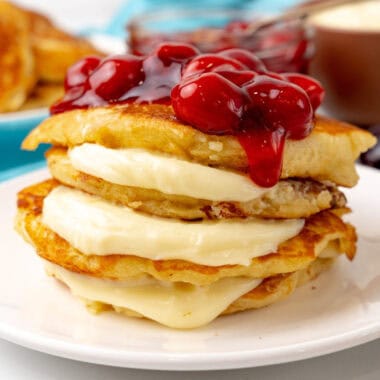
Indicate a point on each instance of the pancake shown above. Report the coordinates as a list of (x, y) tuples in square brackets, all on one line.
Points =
[(54, 50), (320, 231), (271, 290), (16, 58), (327, 154), (33, 52), (290, 199), (43, 95), (276, 288)]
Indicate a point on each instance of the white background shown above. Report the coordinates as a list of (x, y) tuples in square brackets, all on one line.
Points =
[(19, 363), (75, 14)]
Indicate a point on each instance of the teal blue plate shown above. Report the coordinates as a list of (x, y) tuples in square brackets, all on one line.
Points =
[(13, 129), (15, 172)]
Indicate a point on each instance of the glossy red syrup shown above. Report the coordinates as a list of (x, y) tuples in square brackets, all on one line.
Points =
[(227, 93), (124, 78)]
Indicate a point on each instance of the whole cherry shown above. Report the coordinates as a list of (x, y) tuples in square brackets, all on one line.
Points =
[(248, 59), (312, 87), (211, 62), (79, 72), (116, 75), (210, 102), (175, 52), (277, 104), (240, 78)]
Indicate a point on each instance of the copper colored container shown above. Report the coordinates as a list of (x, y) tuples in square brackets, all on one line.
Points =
[(347, 62)]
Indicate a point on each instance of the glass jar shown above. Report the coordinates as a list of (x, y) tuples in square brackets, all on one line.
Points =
[(284, 46)]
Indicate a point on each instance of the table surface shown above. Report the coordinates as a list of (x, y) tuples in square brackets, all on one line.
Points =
[(20, 363)]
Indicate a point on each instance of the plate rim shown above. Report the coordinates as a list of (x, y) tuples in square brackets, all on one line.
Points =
[(185, 361), (23, 116)]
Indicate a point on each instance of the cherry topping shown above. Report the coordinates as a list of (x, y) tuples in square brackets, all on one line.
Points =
[(116, 75), (312, 87), (211, 62), (224, 93), (240, 78), (279, 105), (245, 57), (160, 78), (210, 102), (264, 150), (275, 75), (175, 52), (78, 73), (75, 98), (125, 78)]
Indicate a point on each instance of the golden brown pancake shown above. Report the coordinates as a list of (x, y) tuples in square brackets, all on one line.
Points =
[(54, 50), (34, 51), (320, 231), (290, 199), (271, 290), (278, 287), (327, 154), (43, 95), (16, 58)]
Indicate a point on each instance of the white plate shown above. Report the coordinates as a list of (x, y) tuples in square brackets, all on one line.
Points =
[(340, 309), (22, 116)]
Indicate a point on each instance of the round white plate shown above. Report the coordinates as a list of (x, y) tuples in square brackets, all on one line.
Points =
[(340, 309)]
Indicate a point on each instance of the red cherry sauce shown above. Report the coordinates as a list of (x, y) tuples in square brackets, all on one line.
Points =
[(226, 93), (125, 78)]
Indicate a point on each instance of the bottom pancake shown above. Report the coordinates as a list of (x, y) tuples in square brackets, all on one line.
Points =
[(184, 305)]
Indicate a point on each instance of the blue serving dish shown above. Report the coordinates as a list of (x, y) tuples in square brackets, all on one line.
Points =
[(14, 127)]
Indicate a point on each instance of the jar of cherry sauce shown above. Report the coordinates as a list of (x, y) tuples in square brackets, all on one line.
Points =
[(284, 47)]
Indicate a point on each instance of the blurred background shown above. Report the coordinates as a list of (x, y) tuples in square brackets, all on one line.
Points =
[(342, 50), (77, 15)]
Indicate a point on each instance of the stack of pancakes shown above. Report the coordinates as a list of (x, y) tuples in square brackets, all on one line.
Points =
[(150, 217)]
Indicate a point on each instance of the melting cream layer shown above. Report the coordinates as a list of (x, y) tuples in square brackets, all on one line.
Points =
[(169, 175), (95, 226), (177, 305)]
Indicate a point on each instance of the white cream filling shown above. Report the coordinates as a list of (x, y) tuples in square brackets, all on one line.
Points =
[(177, 305), (169, 175), (95, 226)]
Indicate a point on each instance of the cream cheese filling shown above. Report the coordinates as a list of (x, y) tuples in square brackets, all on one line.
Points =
[(96, 226), (169, 175), (177, 305)]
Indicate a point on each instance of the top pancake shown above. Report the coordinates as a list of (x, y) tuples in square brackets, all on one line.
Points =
[(328, 153)]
